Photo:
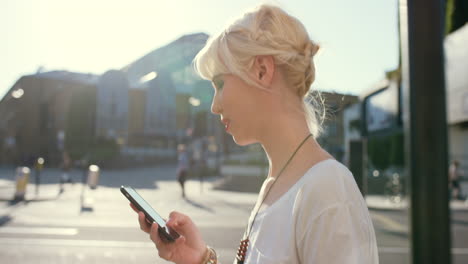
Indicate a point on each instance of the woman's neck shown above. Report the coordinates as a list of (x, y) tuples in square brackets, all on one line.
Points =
[(283, 139)]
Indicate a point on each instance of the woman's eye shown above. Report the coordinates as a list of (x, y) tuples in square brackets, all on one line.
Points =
[(219, 84)]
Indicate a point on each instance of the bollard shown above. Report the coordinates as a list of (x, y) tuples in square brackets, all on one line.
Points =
[(22, 178), (38, 166), (92, 182), (93, 176)]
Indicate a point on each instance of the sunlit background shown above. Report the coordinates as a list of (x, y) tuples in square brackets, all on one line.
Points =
[(99, 94), (359, 38)]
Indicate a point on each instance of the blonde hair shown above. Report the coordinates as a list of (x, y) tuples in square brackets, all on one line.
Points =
[(267, 30)]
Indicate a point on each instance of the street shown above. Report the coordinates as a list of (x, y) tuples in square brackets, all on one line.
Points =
[(53, 228), (82, 225)]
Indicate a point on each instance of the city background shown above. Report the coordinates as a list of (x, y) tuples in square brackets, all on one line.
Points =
[(129, 119)]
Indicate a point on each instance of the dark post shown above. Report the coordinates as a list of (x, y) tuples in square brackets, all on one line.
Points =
[(424, 118), (356, 164), (38, 166)]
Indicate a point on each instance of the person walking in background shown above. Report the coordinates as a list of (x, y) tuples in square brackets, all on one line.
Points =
[(454, 180), (66, 167), (183, 164)]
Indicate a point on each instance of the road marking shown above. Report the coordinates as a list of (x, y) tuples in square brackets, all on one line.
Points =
[(402, 250), (137, 244), (394, 250), (75, 243), (389, 223), (460, 251), (39, 231), (232, 222)]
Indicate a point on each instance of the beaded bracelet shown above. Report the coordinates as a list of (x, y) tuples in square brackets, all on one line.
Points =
[(210, 256)]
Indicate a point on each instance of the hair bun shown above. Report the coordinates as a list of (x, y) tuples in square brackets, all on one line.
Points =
[(265, 30), (310, 49)]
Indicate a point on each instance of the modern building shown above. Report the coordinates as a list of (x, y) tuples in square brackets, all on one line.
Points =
[(333, 137), (45, 113), (112, 108), (374, 135), (147, 107), (160, 112), (136, 116), (174, 58), (178, 101), (456, 69), (351, 128)]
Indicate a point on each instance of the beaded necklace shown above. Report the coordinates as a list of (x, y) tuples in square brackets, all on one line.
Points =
[(244, 244)]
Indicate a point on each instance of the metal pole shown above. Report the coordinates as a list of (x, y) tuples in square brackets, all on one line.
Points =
[(424, 118), (37, 174)]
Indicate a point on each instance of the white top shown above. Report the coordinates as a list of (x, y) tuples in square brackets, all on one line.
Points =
[(322, 218)]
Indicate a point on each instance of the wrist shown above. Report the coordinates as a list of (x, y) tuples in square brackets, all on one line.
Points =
[(209, 257), (205, 255)]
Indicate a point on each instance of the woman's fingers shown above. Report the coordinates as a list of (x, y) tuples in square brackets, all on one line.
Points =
[(144, 225), (154, 236), (165, 250), (134, 208), (177, 221), (174, 250), (182, 224)]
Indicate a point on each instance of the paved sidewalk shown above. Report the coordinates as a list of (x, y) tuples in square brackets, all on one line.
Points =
[(106, 226), (216, 189), (380, 202), (108, 203)]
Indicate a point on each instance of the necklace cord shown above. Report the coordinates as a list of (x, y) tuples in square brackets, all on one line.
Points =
[(249, 226)]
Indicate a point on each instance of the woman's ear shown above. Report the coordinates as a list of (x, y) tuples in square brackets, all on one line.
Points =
[(264, 70)]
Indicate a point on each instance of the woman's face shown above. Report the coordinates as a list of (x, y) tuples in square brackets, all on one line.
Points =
[(237, 103)]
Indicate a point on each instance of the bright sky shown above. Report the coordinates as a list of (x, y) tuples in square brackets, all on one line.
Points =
[(359, 37)]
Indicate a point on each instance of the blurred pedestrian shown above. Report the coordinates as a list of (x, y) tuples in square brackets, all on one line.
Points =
[(66, 167), (183, 164), (309, 209), (454, 180)]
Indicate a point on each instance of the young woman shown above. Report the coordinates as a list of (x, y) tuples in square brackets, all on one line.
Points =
[(309, 208)]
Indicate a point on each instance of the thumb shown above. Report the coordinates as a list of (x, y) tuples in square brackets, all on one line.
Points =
[(182, 224)]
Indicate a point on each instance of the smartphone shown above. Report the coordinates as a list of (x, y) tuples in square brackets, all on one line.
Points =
[(165, 232)]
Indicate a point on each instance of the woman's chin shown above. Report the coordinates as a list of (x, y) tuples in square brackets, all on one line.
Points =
[(243, 141)]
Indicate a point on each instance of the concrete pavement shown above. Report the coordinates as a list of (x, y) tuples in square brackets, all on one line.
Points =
[(56, 228), (379, 202), (249, 179)]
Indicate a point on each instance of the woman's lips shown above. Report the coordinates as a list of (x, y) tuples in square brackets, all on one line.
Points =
[(226, 123)]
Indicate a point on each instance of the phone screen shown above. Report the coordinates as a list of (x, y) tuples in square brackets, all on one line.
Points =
[(146, 207)]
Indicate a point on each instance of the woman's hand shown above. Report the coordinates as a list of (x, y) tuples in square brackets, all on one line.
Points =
[(187, 249)]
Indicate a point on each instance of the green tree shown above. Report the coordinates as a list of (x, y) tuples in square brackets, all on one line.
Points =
[(456, 15)]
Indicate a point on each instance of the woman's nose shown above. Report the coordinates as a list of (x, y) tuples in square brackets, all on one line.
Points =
[(215, 108)]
